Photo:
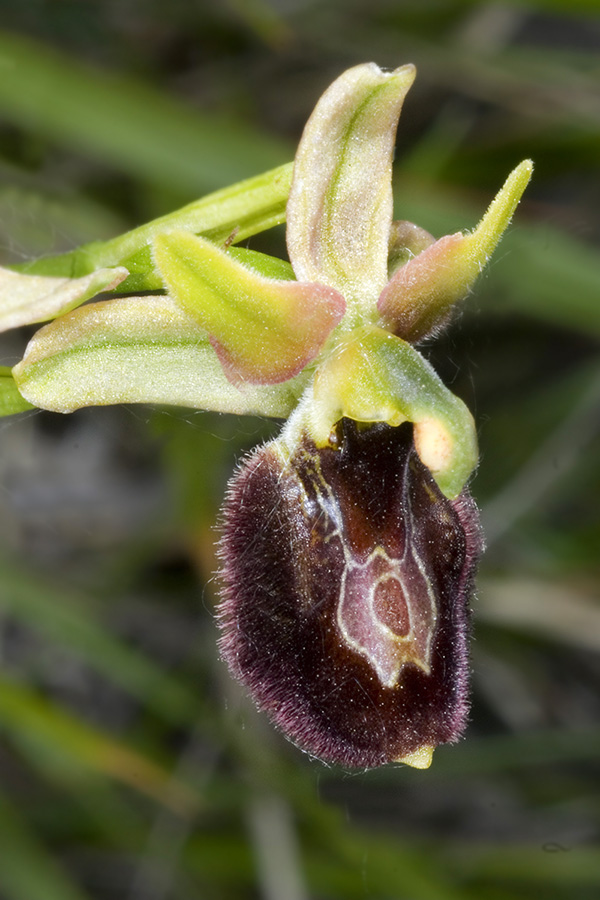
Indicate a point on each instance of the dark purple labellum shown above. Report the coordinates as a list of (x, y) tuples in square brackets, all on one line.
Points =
[(347, 576)]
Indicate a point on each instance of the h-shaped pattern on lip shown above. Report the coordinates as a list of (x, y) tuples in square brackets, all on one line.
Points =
[(386, 609)]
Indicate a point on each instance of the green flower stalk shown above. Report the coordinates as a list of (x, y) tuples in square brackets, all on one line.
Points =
[(350, 542)]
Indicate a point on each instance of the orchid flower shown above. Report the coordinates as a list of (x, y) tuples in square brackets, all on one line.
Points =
[(349, 542)]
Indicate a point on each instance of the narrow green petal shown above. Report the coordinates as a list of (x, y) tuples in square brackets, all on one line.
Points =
[(480, 245), (264, 331), (340, 207), (376, 377), (25, 299), (137, 350), (11, 401), (421, 294)]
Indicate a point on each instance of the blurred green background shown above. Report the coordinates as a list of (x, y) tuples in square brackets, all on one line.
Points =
[(131, 768)]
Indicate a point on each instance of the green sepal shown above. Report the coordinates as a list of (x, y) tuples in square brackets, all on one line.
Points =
[(25, 299), (373, 376), (421, 293), (11, 401), (263, 330), (233, 213), (138, 350), (340, 207)]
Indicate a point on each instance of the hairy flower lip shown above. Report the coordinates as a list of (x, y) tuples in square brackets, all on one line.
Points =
[(280, 629)]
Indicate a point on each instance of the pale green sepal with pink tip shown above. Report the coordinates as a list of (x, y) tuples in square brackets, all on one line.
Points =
[(138, 350), (263, 330)]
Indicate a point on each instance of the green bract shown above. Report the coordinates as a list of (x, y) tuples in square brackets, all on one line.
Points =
[(331, 337)]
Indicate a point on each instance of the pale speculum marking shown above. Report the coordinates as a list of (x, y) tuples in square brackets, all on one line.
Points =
[(386, 609), (381, 618)]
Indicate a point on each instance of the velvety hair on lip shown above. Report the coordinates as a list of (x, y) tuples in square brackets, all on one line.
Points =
[(347, 577)]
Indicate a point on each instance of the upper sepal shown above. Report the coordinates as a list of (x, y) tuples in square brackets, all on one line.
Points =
[(340, 206), (264, 331), (421, 294)]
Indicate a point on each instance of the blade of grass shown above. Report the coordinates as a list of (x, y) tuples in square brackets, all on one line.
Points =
[(518, 751), (533, 866), (137, 129), (552, 276), (561, 612), (355, 864), (559, 452), (41, 727), (27, 870), (71, 620)]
